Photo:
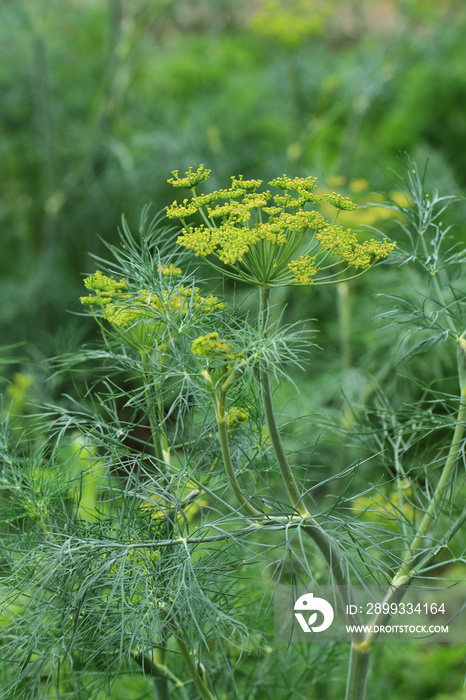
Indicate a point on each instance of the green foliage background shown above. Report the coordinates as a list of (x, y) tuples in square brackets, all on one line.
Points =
[(101, 99)]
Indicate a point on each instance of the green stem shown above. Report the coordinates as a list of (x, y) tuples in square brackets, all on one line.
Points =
[(407, 569), (344, 323), (199, 681), (221, 417), (310, 526), (160, 674), (162, 689), (450, 464), (157, 438), (444, 480), (333, 559), (357, 672), (359, 660), (161, 686), (283, 464), (438, 288)]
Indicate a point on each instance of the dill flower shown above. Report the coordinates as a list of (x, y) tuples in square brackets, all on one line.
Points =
[(170, 270), (140, 317), (341, 202), (104, 287), (270, 239), (190, 179), (212, 345), (304, 269), (236, 416), (247, 185)]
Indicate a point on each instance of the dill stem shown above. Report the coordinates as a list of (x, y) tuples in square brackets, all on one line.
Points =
[(438, 288), (344, 323), (310, 526), (357, 672), (160, 674), (161, 686), (153, 414), (162, 689), (450, 464), (407, 570), (359, 661), (199, 682), (272, 426), (221, 418)]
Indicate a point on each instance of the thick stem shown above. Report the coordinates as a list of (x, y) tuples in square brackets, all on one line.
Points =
[(160, 674), (199, 681), (162, 690), (358, 672)]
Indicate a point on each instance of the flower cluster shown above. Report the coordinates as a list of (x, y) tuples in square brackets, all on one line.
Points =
[(304, 269), (256, 235), (142, 315), (236, 416), (212, 345), (340, 202), (170, 270), (190, 179), (344, 243)]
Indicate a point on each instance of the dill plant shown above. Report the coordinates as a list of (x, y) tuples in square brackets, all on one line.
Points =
[(138, 510)]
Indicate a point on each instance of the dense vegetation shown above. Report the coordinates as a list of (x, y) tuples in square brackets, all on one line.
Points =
[(120, 437)]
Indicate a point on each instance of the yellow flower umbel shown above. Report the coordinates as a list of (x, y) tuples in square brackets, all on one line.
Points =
[(212, 345), (272, 240), (140, 317), (236, 416)]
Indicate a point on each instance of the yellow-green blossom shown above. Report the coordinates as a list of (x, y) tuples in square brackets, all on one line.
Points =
[(201, 240), (212, 345), (232, 211), (304, 269), (274, 240), (190, 179), (340, 202), (344, 243), (180, 211), (300, 184), (141, 316), (236, 415), (170, 270), (104, 287), (247, 185)]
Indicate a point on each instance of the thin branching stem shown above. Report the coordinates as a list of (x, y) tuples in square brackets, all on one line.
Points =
[(311, 527), (407, 571), (221, 418), (161, 686), (152, 412), (272, 425)]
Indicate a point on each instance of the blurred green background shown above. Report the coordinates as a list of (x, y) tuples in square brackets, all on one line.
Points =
[(102, 99)]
